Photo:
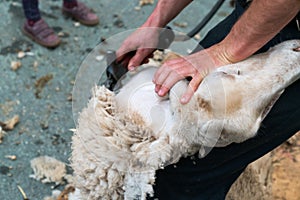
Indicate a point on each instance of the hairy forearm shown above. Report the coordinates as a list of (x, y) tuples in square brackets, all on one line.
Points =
[(165, 11), (259, 24)]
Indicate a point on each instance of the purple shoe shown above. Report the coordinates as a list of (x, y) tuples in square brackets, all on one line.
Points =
[(41, 33), (82, 14)]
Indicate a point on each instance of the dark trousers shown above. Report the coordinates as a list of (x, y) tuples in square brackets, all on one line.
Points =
[(212, 176), (31, 9)]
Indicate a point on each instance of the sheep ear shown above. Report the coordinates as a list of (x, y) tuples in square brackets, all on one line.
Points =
[(271, 104), (228, 134), (209, 133)]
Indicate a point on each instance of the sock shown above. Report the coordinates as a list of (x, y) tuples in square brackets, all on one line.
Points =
[(31, 22), (70, 3)]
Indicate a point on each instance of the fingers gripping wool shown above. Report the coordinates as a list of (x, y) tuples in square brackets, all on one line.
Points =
[(123, 138)]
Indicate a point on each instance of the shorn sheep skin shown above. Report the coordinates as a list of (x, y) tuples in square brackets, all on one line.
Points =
[(123, 138)]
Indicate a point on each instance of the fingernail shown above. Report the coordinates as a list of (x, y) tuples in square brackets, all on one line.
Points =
[(160, 93), (183, 100), (131, 68), (156, 89)]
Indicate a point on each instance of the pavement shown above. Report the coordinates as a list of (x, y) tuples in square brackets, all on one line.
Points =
[(40, 90)]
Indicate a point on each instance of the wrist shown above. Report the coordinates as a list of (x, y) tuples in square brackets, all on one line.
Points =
[(157, 17), (220, 55), (235, 50), (153, 21)]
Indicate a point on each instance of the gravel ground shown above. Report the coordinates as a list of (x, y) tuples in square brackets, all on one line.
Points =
[(40, 90)]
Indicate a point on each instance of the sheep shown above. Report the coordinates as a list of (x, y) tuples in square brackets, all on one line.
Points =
[(123, 137)]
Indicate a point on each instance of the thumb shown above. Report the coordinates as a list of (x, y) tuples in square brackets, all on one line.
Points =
[(192, 87), (138, 58)]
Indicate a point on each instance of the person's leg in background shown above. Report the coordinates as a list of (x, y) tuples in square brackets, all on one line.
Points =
[(31, 10), (38, 30), (212, 176), (35, 27)]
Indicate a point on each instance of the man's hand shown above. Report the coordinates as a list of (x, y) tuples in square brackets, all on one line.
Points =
[(138, 47), (260, 23), (196, 66)]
